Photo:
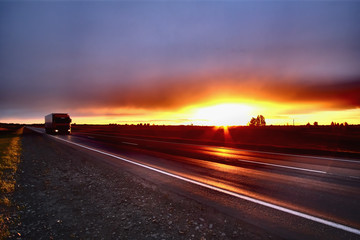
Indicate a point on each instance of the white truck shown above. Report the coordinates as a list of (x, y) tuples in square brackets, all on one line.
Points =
[(58, 123)]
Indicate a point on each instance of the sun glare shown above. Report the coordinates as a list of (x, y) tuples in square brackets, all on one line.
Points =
[(229, 114)]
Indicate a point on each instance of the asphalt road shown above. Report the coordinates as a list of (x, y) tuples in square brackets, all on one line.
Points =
[(293, 196)]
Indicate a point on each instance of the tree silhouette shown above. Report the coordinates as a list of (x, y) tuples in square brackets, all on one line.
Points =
[(258, 121), (253, 122)]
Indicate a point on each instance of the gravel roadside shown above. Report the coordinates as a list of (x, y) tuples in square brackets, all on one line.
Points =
[(62, 193)]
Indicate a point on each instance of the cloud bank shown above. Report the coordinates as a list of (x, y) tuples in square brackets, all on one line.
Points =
[(166, 56)]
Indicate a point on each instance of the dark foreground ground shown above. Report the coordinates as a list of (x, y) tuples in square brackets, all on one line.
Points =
[(63, 193)]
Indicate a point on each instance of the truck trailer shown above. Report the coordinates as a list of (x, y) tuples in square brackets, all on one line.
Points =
[(58, 123)]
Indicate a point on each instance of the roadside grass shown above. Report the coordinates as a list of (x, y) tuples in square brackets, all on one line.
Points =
[(10, 151)]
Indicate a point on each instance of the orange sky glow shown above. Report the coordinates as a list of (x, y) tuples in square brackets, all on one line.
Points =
[(212, 113), (224, 114), (215, 103)]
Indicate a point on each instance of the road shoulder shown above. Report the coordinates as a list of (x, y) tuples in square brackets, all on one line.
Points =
[(64, 193)]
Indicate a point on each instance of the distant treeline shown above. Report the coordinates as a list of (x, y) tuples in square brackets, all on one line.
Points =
[(315, 124)]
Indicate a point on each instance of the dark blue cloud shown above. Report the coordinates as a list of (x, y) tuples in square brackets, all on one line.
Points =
[(87, 49)]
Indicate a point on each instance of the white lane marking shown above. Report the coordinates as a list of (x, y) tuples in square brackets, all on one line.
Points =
[(283, 166), (354, 177), (237, 195), (130, 143), (306, 156)]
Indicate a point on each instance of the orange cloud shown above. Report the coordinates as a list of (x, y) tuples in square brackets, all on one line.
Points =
[(180, 93)]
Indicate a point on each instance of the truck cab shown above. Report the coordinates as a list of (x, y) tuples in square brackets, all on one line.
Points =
[(58, 123)]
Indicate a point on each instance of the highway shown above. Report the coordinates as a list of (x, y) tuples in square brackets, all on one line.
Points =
[(292, 196)]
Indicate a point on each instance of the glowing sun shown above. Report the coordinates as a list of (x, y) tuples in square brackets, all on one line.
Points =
[(229, 114)]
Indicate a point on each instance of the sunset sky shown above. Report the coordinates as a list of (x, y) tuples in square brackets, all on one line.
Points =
[(182, 62)]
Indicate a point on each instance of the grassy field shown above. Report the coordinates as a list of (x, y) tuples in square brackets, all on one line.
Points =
[(10, 151)]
